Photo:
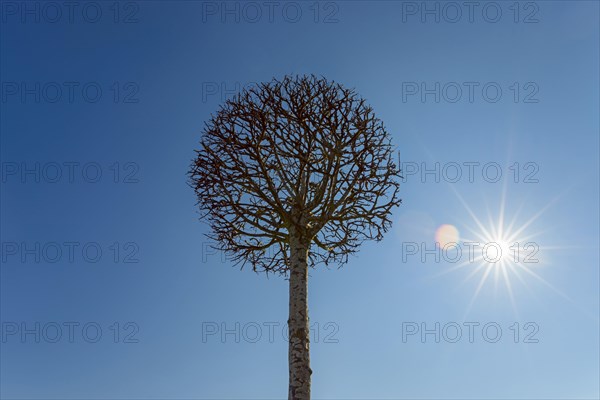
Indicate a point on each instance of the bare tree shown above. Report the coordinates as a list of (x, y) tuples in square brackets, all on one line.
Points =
[(292, 173)]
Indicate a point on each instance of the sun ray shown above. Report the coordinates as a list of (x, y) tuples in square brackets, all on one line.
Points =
[(463, 264), (545, 282), (476, 294), (471, 213), (531, 220), (509, 240), (505, 231), (509, 290)]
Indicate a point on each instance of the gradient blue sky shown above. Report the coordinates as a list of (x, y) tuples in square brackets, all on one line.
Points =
[(174, 55)]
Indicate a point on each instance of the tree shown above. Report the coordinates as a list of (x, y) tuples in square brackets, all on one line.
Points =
[(292, 173)]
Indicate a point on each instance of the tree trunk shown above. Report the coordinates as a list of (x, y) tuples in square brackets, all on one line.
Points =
[(298, 325)]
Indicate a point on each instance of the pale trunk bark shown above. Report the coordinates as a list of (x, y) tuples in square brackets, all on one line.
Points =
[(298, 325)]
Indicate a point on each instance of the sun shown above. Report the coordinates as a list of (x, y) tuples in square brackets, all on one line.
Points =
[(504, 246), (508, 251), (499, 249), (497, 252)]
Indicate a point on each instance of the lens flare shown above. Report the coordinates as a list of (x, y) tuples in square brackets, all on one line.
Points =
[(446, 234), (506, 250)]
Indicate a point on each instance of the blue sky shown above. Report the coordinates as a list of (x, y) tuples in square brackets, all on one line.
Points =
[(141, 89)]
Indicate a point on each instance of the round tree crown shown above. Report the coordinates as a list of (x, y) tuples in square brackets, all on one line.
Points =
[(301, 157)]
